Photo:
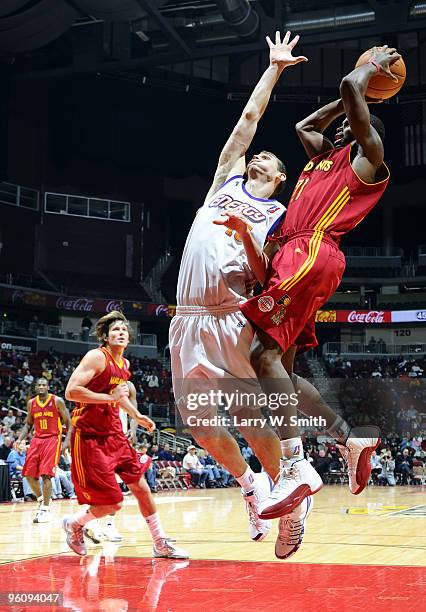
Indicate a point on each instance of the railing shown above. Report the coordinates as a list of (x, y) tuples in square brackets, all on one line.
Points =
[(35, 330), (84, 206), (372, 350), (373, 251), (15, 195), (164, 437)]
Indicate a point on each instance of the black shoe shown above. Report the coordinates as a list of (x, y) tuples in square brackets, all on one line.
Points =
[(30, 498)]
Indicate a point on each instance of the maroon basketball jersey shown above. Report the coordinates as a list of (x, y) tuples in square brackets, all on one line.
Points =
[(46, 417), (102, 419), (329, 197)]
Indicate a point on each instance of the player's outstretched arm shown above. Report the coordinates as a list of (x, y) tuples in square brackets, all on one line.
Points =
[(92, 364), (280, 57), (352, 89), (310, 130)]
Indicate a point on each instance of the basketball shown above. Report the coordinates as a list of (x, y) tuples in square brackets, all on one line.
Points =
[(382, 87)]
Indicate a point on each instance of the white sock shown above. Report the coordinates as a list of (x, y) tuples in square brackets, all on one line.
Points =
[(246, 481), (40, 499), (83, 517), (154, 525), (109, 520), (292, 448)]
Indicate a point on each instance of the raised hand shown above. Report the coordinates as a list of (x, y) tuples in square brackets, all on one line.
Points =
[(234, 222), (280, 52), (385, 56), (145, 422)]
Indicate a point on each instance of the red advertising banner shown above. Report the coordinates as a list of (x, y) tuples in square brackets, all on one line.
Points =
[(353, 316), (87, 305)]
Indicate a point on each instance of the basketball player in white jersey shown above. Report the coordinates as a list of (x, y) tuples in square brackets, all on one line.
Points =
[(210, 338)]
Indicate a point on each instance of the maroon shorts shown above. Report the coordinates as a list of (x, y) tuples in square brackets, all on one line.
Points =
[(304, 274), (42, 456), (95, 462)]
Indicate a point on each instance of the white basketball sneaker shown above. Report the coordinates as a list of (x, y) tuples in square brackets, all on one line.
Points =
[(258, 528), (43, 515), (291, 529), (165, 549), (93, 531), (357, 451), (297, 480), (111, 533)]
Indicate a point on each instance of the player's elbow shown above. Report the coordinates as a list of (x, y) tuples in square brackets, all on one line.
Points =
[(348, 86), (69, 393)]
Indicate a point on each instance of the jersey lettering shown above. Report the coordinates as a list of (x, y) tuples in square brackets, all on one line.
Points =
[(226, 202)]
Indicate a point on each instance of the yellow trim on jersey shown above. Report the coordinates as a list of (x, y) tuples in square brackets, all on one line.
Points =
[(120, 365), (58, 449), (77, 460), (360, 179), (316, 239), (49, 396)]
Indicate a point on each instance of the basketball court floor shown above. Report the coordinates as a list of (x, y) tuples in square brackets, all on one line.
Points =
[(359, 553)]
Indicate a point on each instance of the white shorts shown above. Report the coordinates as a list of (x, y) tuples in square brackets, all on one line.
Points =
[(210, 350)]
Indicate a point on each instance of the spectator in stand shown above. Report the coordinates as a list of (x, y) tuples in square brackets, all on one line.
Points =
[(404, 466), (165, 454), (322, 463), (220, 474), (387, 474), (152, 380), (153, 452), (28, 378), (6, 448), (9, 419), (16, 460), (61, 483), (179, 454), (193, 466), (213, 474), (151, 472), (376, 466), (86, 325)]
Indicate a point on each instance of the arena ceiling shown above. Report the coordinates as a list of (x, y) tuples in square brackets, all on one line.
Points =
[(69, 37)]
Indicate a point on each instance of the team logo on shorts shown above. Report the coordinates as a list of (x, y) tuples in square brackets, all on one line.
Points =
[(284, 300), (278, 316), (265, 303)]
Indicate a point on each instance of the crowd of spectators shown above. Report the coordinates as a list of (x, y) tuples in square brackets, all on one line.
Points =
[(388, 392)]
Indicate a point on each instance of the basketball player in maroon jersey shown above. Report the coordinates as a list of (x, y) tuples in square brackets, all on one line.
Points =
[(338, 187), (99, 448), (48, 414)]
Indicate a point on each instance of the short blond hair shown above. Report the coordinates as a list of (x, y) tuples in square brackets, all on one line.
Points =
[(103, 325)]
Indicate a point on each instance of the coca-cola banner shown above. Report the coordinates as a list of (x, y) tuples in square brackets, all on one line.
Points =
[(354, 316), (364, 316), (81, 305)]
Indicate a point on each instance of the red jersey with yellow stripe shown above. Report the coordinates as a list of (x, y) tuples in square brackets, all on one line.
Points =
[(102, 419), (330, 198), (46, 417)]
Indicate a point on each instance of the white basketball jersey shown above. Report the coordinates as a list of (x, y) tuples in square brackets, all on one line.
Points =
[(214, 268)]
